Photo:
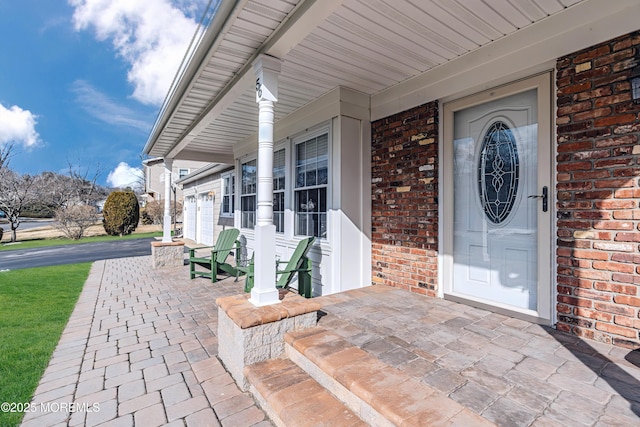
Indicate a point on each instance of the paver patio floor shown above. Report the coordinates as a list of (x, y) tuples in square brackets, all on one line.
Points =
[(141, 345), (512, 372)]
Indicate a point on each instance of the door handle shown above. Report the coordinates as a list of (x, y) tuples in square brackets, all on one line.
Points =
[(544, 196)]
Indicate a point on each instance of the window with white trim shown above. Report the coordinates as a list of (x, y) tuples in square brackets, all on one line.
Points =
[(248, 194), (228, 194), (279, 165), (182, 173), (311, 183)]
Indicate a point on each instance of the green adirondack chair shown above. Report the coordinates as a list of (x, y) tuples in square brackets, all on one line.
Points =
[(217, 262), (298, 263)]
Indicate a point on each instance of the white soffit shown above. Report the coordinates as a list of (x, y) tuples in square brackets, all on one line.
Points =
[(382, 48)]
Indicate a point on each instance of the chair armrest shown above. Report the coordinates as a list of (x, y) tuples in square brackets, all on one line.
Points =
[(192, 251), (295, 270)]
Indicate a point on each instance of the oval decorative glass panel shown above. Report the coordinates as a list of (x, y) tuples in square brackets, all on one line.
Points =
[(498, 172)]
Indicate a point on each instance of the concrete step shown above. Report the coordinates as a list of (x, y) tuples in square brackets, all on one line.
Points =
[(291, 398), (379, 394)]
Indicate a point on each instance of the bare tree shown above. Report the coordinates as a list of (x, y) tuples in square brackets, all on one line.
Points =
[(5, 154), (16, 192), (74, 220), (84, 181)]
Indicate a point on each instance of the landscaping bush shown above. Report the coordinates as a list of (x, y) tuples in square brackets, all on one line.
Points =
[(74, 220), (121, 213)]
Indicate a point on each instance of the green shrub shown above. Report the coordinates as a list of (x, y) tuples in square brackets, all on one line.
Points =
[(121, 213)]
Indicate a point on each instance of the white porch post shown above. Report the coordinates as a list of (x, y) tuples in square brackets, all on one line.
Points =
[(264, 290), (166, 221)]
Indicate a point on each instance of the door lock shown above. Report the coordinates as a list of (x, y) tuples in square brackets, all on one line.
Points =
[(544, 196)]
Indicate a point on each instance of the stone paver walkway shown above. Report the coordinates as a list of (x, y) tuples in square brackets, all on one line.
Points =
[(512, 372), (140, 349)]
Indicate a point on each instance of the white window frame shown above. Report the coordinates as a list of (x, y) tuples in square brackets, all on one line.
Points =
[(229, 193), (248, 195), (323, 230), (282, 192), (180, 174)]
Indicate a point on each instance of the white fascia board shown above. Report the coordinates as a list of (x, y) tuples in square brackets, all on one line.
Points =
[(226, 14), (301, 22), (578, 27)]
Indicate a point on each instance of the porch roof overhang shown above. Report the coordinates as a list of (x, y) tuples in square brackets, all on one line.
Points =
[(400, 53)]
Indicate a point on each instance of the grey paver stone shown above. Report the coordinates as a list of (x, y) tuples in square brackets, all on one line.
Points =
[(444, 380), (131, 390), (116, 370), (474, 396), (140, 402), (90, 386), (146, 363), (247, 417), (529, 398), (506, 412), (536, 368), (160, 383), (175, 393), (122, 379), (220, 388), (572, 409), (581, 388), (150, 416), (206, 369), (233, 405), (108, 411), (186, 407), (123, 421), (203, 418)]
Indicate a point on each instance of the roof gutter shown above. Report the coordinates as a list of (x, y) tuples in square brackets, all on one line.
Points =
[(226, 10)]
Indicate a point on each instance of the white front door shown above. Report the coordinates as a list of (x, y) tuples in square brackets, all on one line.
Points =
[(499, 153)]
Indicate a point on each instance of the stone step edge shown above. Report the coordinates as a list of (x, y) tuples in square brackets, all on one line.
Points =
[(378, 393), (291, 398)]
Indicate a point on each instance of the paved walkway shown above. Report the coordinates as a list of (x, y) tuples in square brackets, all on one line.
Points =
[(512, 372), (140, 349), (141, 345)]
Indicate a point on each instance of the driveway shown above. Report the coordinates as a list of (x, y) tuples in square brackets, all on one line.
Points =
[(70, 254)]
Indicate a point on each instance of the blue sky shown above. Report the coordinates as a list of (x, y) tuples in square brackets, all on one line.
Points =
[(81, 81)]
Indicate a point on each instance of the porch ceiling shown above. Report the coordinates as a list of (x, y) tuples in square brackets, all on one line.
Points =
[(366, 45)]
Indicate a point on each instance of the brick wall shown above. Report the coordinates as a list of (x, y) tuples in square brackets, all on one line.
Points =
[(405, 200), (598, 170)]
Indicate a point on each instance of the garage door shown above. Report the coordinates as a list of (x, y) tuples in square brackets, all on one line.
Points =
[(206, 218), (190, 218)]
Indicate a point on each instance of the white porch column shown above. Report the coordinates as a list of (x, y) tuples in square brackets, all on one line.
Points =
[(166, 221), (264, 290)]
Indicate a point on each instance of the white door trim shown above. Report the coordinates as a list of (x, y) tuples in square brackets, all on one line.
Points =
[(542, 82)]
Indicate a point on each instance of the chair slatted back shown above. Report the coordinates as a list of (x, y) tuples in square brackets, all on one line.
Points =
[(225, 243), (295, 262)]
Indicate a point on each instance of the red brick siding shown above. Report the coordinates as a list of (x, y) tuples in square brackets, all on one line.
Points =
[(405, 199), (598, 174)]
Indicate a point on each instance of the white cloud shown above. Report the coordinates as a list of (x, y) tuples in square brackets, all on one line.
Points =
[(151, 36), (124, 176), (18, 126), (106, 109)]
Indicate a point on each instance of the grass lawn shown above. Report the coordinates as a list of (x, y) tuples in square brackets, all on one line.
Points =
[(35, 305), (29, 244)]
